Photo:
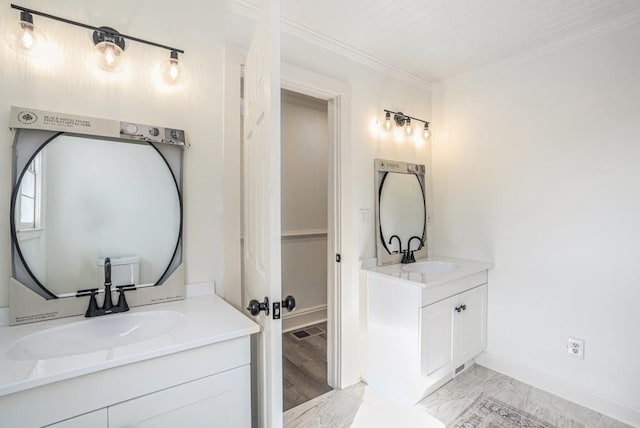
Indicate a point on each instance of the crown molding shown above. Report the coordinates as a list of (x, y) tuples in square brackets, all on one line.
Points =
[(302, 32)]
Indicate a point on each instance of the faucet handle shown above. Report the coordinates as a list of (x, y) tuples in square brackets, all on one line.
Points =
[(122, 304), (93, 309)]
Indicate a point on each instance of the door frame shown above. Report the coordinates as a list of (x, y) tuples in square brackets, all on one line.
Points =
[(337, 95)]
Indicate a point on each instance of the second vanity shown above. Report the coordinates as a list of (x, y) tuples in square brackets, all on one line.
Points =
[(187, 364), (425, 322)]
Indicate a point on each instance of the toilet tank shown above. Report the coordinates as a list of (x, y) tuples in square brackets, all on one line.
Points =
[(124, 271)]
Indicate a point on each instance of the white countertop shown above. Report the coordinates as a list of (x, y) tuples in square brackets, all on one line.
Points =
[(427, 280), (207, 320)]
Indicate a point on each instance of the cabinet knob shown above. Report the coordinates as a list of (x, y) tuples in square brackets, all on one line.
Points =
[(458, 308), (464, 307)]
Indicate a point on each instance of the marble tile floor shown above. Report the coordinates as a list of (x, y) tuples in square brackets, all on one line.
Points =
[(360, 406)]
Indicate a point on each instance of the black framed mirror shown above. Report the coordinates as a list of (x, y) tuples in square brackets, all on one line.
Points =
[(79, 199), (401, 211)]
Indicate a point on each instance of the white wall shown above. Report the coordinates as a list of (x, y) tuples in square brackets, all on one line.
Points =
[(535, 167), (305, 141), (68, 81)]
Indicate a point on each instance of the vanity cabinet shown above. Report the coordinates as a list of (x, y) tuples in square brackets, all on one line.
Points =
[(198, 374), (453, 331), (220, 401), (419, 332)]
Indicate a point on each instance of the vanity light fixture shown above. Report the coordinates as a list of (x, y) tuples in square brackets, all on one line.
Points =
[(24, 37), (403, 120), (108, 41)]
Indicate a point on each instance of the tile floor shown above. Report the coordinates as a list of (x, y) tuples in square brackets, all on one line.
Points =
[(359, 406)]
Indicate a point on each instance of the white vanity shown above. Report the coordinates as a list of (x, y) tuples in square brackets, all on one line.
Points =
[(425, 322), (183, 363)]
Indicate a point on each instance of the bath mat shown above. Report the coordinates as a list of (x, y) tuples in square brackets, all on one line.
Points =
[(307, 332), (487, 412)]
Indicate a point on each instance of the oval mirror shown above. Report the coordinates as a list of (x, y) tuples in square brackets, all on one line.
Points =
[(402, 211), (80, 200)]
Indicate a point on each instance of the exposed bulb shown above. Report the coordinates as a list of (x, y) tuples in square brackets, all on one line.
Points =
[(110, 47), (24, 37), (27, 40), (408, 128), (387, 121), (426, 133), (109, 56), (171, 69)]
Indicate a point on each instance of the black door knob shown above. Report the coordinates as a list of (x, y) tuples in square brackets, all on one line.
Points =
[(255, 306), (289, 303)]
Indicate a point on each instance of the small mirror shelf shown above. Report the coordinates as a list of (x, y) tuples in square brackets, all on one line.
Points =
[(401, 212)]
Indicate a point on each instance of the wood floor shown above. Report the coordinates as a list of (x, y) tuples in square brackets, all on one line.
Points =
[(304, 366), (359, 406)]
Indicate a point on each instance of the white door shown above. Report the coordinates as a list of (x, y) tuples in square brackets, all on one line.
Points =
[(261, 210)]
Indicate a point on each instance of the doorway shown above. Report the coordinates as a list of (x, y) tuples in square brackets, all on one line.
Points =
[(304, 211)]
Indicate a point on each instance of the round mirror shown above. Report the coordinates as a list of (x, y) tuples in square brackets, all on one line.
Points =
[(80, 200), (402, 211)]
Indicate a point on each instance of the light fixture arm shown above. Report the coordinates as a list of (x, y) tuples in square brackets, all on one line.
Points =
[(102, 30), (401, 118)]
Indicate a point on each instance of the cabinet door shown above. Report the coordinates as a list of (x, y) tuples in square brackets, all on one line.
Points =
[(472, 326), (220, 401), (437, 335), (97, 419)]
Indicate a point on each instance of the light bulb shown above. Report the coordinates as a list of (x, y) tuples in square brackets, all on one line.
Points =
[(387, 121), (110, 47), (426, 133), (408, 128), (109, 56), (171, 69), (24, 37)]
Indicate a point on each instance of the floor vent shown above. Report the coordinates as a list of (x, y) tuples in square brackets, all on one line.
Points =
[(307, 332)]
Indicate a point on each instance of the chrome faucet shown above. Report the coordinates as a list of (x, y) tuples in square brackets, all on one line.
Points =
[(107, 305)]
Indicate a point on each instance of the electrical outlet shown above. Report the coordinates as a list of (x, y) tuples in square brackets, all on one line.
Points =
[(575, 347)]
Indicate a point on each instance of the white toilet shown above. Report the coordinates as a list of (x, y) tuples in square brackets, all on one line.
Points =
[(124, 271)]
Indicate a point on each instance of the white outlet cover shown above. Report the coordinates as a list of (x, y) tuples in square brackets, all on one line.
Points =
[(575, 347)]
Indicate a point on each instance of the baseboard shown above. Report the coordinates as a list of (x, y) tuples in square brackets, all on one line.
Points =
[(623, 412), (303, 317)]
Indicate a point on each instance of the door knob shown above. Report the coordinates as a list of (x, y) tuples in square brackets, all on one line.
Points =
[(255, 307), (289, 303)]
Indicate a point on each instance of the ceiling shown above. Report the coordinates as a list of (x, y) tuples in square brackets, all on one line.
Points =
[(430, 40)]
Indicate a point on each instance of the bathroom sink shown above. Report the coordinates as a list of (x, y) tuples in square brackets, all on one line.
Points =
[(431, 266), (92, 335)]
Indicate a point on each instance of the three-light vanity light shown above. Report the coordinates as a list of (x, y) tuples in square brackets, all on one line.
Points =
[(402, 120), (26, 38)]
